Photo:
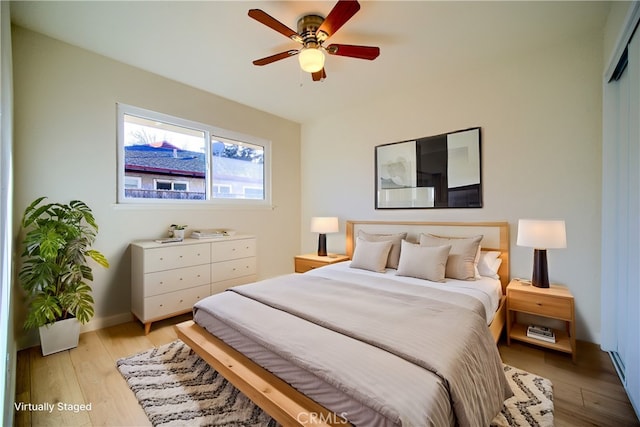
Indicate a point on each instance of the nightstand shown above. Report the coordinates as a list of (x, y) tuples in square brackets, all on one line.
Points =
[(555, 302), (308, 262)]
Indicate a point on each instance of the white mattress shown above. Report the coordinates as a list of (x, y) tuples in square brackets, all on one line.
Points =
[(485, 289)]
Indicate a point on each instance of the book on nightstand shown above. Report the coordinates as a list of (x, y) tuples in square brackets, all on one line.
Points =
[(541, 333)]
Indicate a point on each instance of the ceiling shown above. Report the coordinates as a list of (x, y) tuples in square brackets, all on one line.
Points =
[(210, 44)]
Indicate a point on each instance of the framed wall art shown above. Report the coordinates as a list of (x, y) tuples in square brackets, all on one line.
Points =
[(440, 171)]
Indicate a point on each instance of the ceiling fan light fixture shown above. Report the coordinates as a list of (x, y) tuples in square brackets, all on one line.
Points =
[(311, 59)]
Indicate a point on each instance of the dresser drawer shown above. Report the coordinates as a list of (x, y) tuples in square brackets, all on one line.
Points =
[(158, 259), (220, 286), (231, 269), (233, 249), (543, 305), (160, 306), (162, 282)]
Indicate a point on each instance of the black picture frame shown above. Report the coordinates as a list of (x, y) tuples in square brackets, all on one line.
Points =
[(439, 171)]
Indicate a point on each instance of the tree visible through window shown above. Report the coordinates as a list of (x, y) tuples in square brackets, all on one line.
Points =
[(163, 157)]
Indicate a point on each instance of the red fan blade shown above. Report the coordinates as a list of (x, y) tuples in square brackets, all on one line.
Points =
[(274, 24), (319, 75), (276, 57), (362, 52), (341, 13)]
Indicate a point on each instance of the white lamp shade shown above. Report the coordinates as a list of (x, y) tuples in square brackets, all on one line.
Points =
[(311, 59), (542, 234), (324, 224)]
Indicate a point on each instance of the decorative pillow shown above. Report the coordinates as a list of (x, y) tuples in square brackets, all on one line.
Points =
[(475, 263), (370, 255), (423, 262), (394, 253), (461, 261), (489, 264)]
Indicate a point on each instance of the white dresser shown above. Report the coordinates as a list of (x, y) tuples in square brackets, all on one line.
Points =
[(167, 279)]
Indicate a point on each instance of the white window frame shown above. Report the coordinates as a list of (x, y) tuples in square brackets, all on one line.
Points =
[(211, 132)]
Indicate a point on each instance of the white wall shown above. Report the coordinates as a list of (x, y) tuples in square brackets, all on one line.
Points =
[(540, 114), (65, 148)]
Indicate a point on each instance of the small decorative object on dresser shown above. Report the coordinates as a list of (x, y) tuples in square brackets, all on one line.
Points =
[(554, 302), (168, 278), (306, 262), (177, 231)]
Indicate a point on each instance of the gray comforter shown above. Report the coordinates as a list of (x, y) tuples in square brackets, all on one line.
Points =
[(440, 332)]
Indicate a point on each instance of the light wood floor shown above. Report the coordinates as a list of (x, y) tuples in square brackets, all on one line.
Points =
[(587, 393)]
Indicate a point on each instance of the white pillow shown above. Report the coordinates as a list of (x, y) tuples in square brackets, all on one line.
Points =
[(462, 257), (371, 255), (475, 263), (394, 253), (423, 262), (489, 264)]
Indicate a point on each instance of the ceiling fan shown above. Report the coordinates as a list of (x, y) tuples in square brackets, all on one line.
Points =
[(313, 31)]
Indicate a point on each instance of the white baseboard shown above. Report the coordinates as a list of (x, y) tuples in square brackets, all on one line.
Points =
[(32, 339), (105, 322)]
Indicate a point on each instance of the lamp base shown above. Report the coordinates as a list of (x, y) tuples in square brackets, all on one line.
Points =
[(322, 244), (540, 272)]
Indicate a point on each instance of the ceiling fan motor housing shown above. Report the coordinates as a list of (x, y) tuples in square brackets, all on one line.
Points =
[(307, 29)]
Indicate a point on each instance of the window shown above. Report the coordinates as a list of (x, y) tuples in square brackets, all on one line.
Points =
[(132, 182), (171, 185), (164, 158)]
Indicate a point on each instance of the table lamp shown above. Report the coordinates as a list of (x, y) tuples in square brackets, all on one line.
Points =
[(323, 225), (541, 235)]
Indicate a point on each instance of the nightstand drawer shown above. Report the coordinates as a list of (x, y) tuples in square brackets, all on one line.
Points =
[(303, 266), (543, 305), (304, 263)]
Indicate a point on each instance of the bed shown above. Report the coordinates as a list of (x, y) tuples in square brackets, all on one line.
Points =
[(336, 343)]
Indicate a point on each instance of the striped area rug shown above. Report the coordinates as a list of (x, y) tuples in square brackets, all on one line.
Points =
[(175, 387)]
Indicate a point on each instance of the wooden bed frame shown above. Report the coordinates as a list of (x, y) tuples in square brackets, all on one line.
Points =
[(281, 401)]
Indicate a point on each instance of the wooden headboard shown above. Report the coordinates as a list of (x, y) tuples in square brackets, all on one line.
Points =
[(495, 235)]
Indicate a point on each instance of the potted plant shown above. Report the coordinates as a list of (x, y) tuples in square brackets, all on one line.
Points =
[(177, 230), (55, 269)]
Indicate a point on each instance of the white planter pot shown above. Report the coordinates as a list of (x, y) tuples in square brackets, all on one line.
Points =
[(59, 336), (177, 233)]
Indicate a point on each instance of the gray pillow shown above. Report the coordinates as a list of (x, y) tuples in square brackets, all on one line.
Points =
[(423, 262), (370, 255), (461, 263), (394, 253)]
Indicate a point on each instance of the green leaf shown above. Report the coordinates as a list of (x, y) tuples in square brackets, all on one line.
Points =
[(98, 257)]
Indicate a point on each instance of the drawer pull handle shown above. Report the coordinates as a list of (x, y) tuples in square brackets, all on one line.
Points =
[(161, 259), (180, 256), (181, 278), (539, 304), (181, 300)]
